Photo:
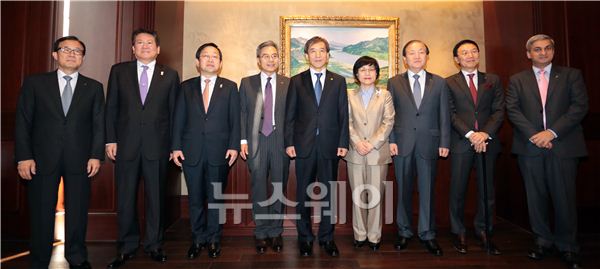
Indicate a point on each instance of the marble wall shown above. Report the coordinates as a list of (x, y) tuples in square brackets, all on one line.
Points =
[(237, 27)]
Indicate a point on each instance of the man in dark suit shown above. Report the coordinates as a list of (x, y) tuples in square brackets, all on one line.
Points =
[(421, 134), (546, 105), (59, 132), (477, 111), (139, 109), (317, 135), (206, 141), (262, 117)]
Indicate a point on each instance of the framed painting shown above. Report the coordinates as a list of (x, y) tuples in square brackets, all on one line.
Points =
[(349, 38)]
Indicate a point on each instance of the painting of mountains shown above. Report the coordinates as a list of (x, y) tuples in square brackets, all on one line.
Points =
[(346, 44)]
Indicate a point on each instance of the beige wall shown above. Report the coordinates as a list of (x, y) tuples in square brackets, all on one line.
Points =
[(237, 27)]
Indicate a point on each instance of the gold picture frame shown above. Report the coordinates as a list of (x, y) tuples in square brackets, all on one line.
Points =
[(348, 36)]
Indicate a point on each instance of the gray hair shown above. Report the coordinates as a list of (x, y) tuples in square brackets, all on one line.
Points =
[(537, 37), (265, 44)]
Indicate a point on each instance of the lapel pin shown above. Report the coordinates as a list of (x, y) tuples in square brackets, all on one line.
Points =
[(220, 85), (162, 73), (330, 78)]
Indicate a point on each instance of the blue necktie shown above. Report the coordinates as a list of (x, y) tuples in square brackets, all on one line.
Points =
[(318, 88)]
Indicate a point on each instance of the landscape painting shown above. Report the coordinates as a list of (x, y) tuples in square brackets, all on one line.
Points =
[(349, 38)]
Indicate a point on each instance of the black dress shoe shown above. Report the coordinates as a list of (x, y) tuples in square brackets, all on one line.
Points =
[(538, 252), (261, 245), (330, 248), (120, 260), (214, 250), (83, 265), (305, 248), (277, 244), (487, 245), (401, 243), (194, 250), (571, 259), (433, 247), (158, 255), (459, 242), (359, 244), (374, 246)]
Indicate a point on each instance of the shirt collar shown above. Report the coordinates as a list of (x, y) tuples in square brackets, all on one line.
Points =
[(61, 74), (264, 76), (547, 69), (420, 73), (150, 65), (466, 74), (213, 79), (313, 72)]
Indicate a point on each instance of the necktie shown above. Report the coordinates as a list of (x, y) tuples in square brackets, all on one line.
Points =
[(473, 95), (417, 91), (267, 124), (543, 86), (144, 83), (318, 88), (206, 94), (67, 95)]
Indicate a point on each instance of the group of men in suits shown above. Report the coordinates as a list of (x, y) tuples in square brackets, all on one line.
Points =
[(64, 129)]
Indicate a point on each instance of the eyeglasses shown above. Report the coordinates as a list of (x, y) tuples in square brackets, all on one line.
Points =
[(539, 49), (67, 50), (267, 57), (367, 70)]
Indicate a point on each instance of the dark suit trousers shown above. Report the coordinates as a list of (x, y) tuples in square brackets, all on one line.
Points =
[(325, 172), (405, 174), (42, 196), (200, 180), (269, 170), (551, 178), (154, 173), (461, 164)]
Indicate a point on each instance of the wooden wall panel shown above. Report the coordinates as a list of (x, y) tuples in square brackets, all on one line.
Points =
[(30, 28), (573, 25)]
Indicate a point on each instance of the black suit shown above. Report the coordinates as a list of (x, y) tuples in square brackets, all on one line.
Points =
[(549, 174), (266, 154), (489, 113), (60, 146), (204, 138), (142, 133), (418, 133), (316, 153)]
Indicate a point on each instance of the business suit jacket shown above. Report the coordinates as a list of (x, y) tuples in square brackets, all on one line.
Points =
[(196, 132), (304, 116), (251, 100), (135, 127), (44, 134), (489, 110), (566, 105), (373, 123), (422, 130)]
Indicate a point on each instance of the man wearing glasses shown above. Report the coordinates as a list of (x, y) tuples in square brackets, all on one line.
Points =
[(59, 132), (262, 99)]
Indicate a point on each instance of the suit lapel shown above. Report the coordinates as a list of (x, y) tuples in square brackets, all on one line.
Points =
[(552, 81), (134, 80), (280, 97), (197, 94), (157, 77), (53, 82), (460, 80), (428, 87), (532, 82), (355, 98), (481, 89), (307, 80), (216, 94), (327, 87), (80, 89), (407, 89), (255, 83)]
